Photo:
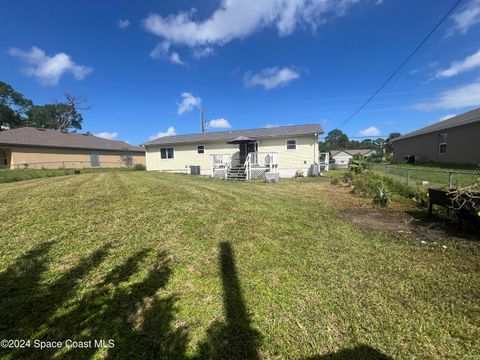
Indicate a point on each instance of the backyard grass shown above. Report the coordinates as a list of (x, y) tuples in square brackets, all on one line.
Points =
[(13, 175), (173, 266)]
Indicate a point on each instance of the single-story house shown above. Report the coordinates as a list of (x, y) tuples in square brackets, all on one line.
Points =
[(239, 154), (455, 140), (45, 148), (341, 158)]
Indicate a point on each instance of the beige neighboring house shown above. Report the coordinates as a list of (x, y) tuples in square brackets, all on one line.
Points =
[(341, 158), (44, 148), (455, 140), (239, 154)]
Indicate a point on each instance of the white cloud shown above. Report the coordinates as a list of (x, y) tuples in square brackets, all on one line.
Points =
[(219, 124), (464, 19), (199, 53), (123, 24), (162, 51), (460, 97), (170, 132), (188, 103), (235, 19), (271, 77), (48, 70), (370, 131), (107, 135), (469, 63), (446, 117)]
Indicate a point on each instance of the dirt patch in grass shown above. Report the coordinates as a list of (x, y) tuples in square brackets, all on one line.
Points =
[(400, 219)]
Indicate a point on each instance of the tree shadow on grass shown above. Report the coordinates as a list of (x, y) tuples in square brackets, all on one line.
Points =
[(361, 352), (128, 311), (234, 338)]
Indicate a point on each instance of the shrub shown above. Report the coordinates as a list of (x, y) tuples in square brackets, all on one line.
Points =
[(382, 197), (299, 173), (139, 167), (334, 181)]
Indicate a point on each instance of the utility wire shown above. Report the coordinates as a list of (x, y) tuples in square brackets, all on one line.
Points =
[(402, 64)]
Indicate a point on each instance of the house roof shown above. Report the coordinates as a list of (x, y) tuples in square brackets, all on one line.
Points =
[(463, 119), (352, 151), (262, 133), (29, 136)]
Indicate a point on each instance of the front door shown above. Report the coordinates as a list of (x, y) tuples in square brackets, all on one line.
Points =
[(245, 149)]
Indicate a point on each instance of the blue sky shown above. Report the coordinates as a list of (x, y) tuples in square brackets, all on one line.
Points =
[(146, 66)]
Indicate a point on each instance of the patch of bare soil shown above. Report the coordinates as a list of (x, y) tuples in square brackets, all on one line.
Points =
[(399, 219)]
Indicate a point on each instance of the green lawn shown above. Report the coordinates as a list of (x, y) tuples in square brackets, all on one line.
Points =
[(172, 266)]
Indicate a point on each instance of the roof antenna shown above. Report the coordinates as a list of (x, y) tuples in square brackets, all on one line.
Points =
[(202, 113)]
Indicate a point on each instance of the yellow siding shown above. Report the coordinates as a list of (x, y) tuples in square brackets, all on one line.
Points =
[(289, 161), (51, 158), (186, 155)]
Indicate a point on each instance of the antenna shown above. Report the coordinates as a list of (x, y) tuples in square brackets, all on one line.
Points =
[(202, 113)]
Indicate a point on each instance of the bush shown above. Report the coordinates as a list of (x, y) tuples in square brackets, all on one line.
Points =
[(382, 197), (334, 181), (367, 184), (299, 173), (139, 167)]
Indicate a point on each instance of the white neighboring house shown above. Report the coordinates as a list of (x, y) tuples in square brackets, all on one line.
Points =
[(238, 154), (341, 158)]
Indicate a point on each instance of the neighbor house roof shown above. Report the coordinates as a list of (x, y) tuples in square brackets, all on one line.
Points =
[(262, 133), (352, 152), (29, 136), (463, 119)]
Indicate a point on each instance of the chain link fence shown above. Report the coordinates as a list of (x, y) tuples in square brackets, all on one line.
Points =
[(434, 178)]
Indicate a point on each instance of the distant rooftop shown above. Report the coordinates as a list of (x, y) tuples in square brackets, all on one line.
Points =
[(352, 151), (29, 136), (463, 119), (261, 133)]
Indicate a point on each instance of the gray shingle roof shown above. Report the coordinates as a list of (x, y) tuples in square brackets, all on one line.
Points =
[(463, 119), (261, 133), (352, 151), (29, 136)]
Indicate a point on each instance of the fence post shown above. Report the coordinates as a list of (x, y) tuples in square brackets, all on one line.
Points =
[(408, 176), (386, 170), (450, 175)]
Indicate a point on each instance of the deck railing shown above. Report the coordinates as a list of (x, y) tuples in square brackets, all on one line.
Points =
[(267, 161)]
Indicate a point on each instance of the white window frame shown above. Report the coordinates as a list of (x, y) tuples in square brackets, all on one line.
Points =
[(203, 150), (166, 153), (295, 144), (440, 143)]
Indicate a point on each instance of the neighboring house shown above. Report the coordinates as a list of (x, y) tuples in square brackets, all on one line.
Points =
[(44, 148), (241, 154), (341, 158), (455, 140)]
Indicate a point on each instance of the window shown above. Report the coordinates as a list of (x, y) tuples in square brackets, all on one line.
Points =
[(442, 143), (166, 153), (291, 144), (200, 149), (94, 159)]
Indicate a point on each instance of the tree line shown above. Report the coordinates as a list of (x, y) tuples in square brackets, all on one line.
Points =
[(338, 140), (17, 111)]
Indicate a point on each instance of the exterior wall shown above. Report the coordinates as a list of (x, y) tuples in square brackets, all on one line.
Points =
[(51, 158), (289, 161), (463, 146), (185, 155), (341, 160)]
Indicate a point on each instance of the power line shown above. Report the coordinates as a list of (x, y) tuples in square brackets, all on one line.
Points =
[(402, 64)]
